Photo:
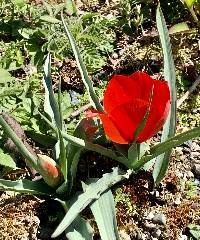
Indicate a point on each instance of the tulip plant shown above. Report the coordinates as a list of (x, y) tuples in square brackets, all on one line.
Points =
[(134, 109)]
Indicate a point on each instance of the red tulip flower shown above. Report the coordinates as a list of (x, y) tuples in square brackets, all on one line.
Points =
[(127, 100)]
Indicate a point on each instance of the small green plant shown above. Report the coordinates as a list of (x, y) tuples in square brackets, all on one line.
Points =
[(190, 188), (124, 198)]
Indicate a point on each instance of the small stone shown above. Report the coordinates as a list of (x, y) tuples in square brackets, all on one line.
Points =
[(150, 216), (156, 233), (115, 56), (186, 150), (188, 143), (121, 52), (177, 200), (179, 174), (157, 194), (149, 225), (195, 155), (159, 218), (73, 64), (196, 181), (123, 235), (196, 170), (182, 237), (195, 147), (190, 174), (179, 150)]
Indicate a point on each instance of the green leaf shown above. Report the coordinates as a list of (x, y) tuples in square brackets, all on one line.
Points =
[(103, 210), (61, 151), (189, 3), (136, 152), (87, 82), (26, 186), (5, 76), (45, 140), (6, 160), (165, 146), (179, 28), (49, 19), (194, 230), (50, 104), (169, 128), (80, 229), (92, 193), (70, 7), (133, 154)]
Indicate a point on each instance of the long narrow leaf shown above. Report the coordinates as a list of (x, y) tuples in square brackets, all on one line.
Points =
[(88, 83), (50, 104), (92, 193), (103, 210), (80, 229), (167, 145), (26, 186), (169, 128)]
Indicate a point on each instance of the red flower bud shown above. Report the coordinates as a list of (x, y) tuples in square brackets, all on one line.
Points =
[(126, 101), (49, 170)]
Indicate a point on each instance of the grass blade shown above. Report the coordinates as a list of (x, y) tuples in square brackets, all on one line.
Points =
[(88, 83), (50, 104), (169, 128)]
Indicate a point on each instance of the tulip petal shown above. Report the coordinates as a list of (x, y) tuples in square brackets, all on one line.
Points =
[(145, 84), (158, 111), (128, 116), (111, 130), (120, 89)]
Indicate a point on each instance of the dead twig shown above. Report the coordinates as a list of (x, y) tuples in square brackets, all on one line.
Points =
[(190, 90)]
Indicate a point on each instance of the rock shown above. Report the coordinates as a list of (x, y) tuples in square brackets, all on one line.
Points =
[(186, 150), (195, 155), (182, 237), (196, 181), (188, 144), (179, 150), (149, 225), (121, 52), (179, 174), (177, 201), (156, 233), (157, 194), (115, 56), (123, 235), (150, 216), (195, 147), (190, 174), (196, 170), (159, 218)]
